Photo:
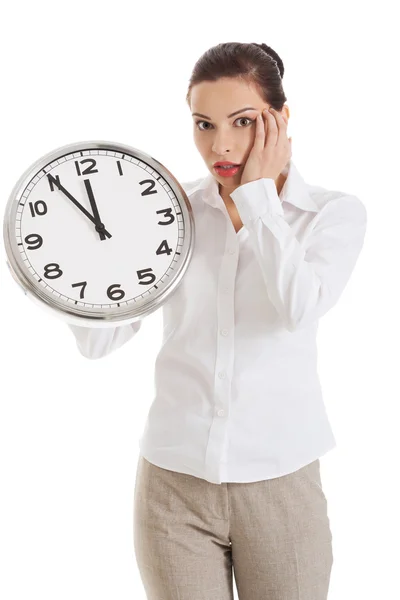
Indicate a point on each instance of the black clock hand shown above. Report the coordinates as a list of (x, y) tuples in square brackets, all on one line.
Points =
[(82, 208), (99, 224)]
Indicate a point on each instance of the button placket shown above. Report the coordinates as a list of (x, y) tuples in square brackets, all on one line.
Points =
[(224, 358)]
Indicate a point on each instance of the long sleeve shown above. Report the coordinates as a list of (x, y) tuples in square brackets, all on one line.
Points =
[(304, 280), (94, 342)]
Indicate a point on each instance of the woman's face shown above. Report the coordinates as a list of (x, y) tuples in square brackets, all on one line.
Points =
[(220, 136)]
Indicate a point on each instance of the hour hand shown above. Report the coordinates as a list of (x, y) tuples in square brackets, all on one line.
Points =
[(99, 224), (82, 208)]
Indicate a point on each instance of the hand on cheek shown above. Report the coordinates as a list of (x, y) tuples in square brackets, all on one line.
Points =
[(271, 150)]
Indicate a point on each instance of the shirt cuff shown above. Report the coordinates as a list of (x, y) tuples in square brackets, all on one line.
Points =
[(256, 198)]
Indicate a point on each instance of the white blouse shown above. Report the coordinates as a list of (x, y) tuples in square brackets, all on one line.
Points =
[(237, 391)]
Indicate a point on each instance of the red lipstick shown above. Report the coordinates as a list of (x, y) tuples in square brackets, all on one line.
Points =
[(228, 171)]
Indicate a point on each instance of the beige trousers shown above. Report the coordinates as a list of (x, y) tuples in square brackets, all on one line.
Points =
[(191, 536)]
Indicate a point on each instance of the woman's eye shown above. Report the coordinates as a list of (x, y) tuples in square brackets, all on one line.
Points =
[(239, 119), (245, 119)]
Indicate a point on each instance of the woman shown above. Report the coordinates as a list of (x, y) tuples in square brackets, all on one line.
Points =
[(229, 475)]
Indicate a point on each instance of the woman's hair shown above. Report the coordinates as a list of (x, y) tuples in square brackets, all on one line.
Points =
[(258, 64)]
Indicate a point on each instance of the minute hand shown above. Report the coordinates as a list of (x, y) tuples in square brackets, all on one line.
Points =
[(70, 196)]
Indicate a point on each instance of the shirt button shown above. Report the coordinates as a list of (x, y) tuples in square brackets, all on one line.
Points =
[(224, 331), (225, 290), (221, 374), (231, 251), (221, 412)]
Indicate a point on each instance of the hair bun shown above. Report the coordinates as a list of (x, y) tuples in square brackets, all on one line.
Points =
[(268, 50)]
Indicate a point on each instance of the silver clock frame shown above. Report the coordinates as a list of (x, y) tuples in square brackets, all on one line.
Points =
[(93, 316)]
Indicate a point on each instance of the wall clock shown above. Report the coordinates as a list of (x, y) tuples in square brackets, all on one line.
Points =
[(98, 233)]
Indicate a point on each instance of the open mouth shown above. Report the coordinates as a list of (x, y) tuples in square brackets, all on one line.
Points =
[(230, 170)]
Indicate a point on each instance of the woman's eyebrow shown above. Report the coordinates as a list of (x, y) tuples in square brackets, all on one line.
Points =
[(231, 115)]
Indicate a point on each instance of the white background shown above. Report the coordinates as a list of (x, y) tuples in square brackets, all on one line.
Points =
[(69, 427)]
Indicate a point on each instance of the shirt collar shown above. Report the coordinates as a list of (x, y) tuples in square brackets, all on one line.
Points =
[(295, 190)]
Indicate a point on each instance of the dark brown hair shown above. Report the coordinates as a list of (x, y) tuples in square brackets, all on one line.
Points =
[(258, 64)]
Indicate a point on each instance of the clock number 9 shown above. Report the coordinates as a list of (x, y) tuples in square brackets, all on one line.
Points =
[(35, 239)]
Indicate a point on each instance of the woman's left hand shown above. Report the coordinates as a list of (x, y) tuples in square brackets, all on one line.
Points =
[(272, 149)]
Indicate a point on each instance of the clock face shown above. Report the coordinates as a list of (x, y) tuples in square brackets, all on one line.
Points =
[(100, 228)]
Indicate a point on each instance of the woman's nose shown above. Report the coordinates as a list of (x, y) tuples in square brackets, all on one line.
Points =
[(221, 144)]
